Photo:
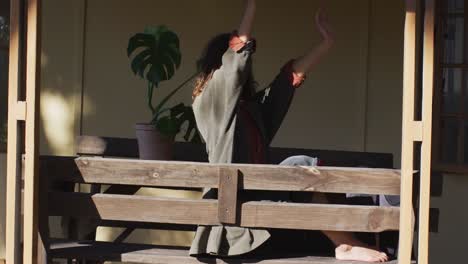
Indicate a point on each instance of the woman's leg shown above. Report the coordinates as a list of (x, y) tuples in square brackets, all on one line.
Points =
[(348, 247)]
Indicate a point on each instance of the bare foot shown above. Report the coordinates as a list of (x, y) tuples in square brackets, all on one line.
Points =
[(347, 252)]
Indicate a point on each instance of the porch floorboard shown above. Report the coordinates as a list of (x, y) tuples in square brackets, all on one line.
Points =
[(148, 254)]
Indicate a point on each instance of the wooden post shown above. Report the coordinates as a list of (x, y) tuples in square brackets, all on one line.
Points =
[(417, 131), (227, 195), (13, 216), (32, 132), (409, 132), (426, 147)]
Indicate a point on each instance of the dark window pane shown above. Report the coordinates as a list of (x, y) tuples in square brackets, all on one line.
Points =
[(465, 88), (4, 31), (465, 147), (455, 6), (454, 40), (3, 97), (449, 142), (4, 42), (451, 90)]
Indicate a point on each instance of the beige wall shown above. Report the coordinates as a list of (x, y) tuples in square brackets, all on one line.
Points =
[(385, 71), (340, 106), (61, 79), (336, 89)]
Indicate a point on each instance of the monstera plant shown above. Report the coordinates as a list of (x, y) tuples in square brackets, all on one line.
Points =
[(155, 57)]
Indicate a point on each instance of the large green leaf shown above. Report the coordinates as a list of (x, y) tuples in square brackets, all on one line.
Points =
[(168, 126), (155, 54), (182, 114)]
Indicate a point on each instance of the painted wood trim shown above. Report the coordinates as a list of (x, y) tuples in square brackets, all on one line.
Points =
[(407, 155), (426, 148), (30, 224), (13, 217), (20, 111)]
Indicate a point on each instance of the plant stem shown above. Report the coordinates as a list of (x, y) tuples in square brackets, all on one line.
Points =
[(150, 97), (160, 106)]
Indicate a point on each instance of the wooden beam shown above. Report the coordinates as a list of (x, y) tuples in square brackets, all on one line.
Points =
[(417, 130), (145, 254), (30, 229), (134, 208), (205, 212), (13, 197), (254, 177), (20, 111), (426, 147), (320, 217), (227, 195), (407, 152)]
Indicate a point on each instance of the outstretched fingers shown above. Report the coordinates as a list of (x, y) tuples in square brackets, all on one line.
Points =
[(323, 26)]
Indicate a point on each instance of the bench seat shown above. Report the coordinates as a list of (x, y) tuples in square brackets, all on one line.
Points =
[(148, 254)]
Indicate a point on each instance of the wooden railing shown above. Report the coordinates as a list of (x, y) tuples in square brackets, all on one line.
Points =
[(128, 210)]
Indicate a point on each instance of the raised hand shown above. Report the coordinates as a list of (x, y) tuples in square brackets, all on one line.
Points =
[(323, 27), (311, 59)]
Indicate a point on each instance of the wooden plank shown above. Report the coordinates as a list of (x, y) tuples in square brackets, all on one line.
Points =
[(20, 111), (30, 224), (156, 226), (407, 152), (13, 196), (227, 195), (254, 177), (205, 212), (320, 217), (134, 208), (426, 148), (417, 130), (146, 254)]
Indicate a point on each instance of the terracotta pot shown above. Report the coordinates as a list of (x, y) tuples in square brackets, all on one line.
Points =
[(152, 144)]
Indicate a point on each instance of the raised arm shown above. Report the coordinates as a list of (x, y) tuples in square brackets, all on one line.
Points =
[(237, 59), (221, 95), (307, 63), (245, 27), (276, 99)]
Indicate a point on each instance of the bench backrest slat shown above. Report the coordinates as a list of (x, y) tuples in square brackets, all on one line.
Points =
[(205, 212), (252, 177)]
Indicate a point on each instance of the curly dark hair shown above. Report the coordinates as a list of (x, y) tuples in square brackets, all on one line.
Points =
[(211, 60)]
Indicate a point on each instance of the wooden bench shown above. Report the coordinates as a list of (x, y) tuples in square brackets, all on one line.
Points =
[(184, 214)]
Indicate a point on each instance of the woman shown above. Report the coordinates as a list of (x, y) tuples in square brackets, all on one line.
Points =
[(239, 124)]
